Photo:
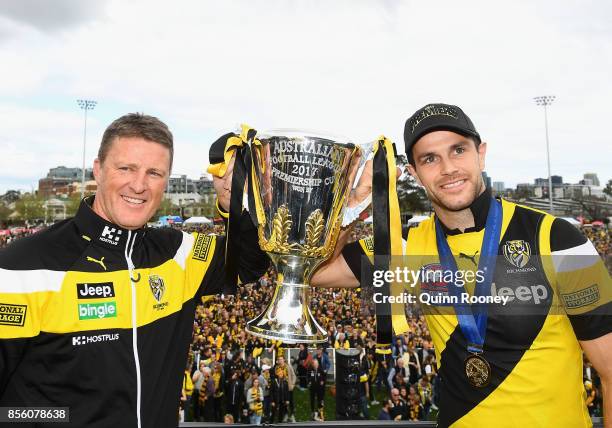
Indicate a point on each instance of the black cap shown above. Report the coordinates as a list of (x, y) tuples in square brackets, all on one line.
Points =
[(217, 149), (437, 117)]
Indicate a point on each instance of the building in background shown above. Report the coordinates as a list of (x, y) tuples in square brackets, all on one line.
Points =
[(556, 179), (590, 179), (498, 187), (61, 181), (486, 178)]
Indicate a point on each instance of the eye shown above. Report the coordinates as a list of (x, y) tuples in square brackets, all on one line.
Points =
[(428, 159), (124, 168), (460, 150)]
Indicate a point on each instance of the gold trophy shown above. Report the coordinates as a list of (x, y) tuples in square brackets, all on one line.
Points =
[(300, 182)]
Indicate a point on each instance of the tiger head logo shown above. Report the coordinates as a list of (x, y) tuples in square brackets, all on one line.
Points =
[(517, 252), (157, 286)]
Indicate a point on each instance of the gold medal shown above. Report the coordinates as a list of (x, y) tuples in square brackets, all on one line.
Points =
[(477, 370)]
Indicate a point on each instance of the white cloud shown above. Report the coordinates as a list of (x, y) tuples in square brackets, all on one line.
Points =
[(357, 68)]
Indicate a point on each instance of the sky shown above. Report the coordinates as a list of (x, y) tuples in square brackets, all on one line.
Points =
[(357, 68)]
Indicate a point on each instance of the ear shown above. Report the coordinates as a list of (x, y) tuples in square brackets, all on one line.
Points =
[(412, 171), (96, 169), (482, 151)]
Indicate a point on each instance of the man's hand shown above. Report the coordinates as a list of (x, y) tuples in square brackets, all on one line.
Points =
[(364, 185)]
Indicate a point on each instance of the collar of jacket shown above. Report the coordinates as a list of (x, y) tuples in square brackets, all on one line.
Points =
[(102, 232), (480, 210)]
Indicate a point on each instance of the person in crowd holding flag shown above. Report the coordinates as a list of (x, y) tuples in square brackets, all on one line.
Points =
[(488, 355)]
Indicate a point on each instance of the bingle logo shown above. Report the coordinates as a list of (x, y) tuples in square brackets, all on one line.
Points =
[(111, 235), (99, 290)]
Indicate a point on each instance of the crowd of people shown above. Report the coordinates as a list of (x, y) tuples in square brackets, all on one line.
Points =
[(601, 237), (232, 376), (405, 383), (11, 235), (222, 346)]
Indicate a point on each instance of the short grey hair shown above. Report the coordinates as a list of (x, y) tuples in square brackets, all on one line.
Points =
[(137, 125)]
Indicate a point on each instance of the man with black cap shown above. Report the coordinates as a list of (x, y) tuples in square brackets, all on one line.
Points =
[(558, 292), (99, 300)]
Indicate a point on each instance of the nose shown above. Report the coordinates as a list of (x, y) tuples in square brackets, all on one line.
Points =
[(448, 166), (139, 182)]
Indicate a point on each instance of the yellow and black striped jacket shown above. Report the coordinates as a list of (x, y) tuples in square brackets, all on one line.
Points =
[(99, 318), (559, 292)]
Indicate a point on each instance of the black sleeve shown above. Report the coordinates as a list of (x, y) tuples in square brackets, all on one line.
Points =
[(252, 265), (585, 288), (214, 276), (254, 262), (593, 324), (11, 353), (564, 236), (354, 256)]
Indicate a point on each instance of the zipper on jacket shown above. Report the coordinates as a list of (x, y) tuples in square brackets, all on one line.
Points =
[(129, 248)]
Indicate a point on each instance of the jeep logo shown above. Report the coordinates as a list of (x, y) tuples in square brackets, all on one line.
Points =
[(95, 291), (536, 293)]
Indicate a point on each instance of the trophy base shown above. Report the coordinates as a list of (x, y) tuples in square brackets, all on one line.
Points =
[(290, 338), (288, 317)]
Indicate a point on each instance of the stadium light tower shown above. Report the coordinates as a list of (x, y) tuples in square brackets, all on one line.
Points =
[(545, 101), (85, 105)]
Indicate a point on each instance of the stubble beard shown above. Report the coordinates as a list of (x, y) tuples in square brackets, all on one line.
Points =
[(437, 202)]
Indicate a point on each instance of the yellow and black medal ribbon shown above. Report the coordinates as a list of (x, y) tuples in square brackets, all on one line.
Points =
[(390, 317)]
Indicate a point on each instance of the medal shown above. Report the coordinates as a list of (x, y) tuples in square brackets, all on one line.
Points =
[(477, 370), (473, 319)]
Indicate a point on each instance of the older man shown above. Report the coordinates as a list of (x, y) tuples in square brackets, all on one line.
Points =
[(102, 307)]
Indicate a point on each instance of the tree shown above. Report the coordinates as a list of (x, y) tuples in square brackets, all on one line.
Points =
[(30, 207), (521, 193), (608, 189), (207, 209), (412, 196), (72, 205), (5, 212), (166, 208)]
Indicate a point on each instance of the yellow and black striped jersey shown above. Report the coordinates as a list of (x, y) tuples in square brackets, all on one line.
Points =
[(99, 319), (559, 292)]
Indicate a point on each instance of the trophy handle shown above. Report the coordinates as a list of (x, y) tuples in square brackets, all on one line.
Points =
[(287, 317)]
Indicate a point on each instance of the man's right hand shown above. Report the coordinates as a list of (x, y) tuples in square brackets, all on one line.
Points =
[(363, 187)]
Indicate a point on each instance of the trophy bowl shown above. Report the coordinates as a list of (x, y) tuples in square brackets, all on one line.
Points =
[(300, 183)]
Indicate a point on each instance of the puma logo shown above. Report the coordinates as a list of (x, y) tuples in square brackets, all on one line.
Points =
[(100, 262), (472, 258)]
